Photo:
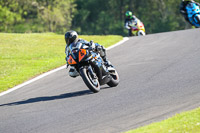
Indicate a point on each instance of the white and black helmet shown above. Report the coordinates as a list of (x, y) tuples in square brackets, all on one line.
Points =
[(71, 37)]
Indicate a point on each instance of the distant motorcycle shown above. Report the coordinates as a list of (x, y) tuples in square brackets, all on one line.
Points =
[(193, 14), (91, 67), (138, 28)]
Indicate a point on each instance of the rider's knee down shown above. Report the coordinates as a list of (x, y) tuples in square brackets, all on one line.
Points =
[(73, 73)]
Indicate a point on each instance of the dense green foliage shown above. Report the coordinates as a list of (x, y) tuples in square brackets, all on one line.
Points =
[(88, 16), (36, 15)]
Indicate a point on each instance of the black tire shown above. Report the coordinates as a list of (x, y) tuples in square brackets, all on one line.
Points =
[(115, 79), (140, 33), (198, 19), (92, 84)]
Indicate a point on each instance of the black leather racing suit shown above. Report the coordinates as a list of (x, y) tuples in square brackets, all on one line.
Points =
[(94, 46)]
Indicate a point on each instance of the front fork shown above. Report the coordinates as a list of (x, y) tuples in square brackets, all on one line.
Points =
[(101, 71), (92, 72)]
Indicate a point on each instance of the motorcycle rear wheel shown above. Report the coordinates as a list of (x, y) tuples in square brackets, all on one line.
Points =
[(91, 83), (115, 79)]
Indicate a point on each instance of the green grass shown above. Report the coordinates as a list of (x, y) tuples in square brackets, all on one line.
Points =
[(24, 56), (187, 122)]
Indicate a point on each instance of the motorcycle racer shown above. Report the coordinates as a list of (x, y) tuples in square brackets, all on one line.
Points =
[(71, 38), (183, 11), (129, 18)]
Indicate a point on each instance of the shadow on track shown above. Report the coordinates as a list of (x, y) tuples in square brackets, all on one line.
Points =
[(50, 98)]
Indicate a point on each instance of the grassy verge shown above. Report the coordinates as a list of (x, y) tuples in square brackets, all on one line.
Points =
[(187, 122), (23, 56)]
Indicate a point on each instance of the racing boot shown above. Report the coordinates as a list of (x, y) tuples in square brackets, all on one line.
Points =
[(102, 52), (107, 63), (73, 72)]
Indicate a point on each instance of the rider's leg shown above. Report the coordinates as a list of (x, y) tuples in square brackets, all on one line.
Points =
[(73, 72), (102, 52), (129, 32)]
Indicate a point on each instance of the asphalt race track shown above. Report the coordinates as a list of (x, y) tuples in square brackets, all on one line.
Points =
[(159, 77)]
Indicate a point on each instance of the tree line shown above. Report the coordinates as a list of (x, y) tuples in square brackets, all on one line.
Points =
[(88, 16)]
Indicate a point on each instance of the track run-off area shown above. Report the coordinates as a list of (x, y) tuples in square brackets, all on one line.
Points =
[(159, 77)]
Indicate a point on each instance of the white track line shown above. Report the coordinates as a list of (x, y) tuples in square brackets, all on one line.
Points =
[(52, 71), (119, 43)]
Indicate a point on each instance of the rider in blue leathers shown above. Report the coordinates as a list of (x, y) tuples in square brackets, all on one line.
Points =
[(183, 11)]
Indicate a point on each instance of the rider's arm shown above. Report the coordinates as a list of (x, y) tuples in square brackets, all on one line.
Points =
[(182, 8), (183, 12), (95, 46), (90, 44), (126, 24), (135, 19), (197, 3), (66, 52)]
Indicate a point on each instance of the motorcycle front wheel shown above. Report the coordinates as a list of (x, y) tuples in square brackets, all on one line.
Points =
[(197, 19), (141, 33), (91, 82)]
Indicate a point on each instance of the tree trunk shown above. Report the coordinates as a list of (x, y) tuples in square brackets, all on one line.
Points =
[(121, 10)]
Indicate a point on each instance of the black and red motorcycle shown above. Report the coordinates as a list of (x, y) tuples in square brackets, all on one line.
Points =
[(91, 67)]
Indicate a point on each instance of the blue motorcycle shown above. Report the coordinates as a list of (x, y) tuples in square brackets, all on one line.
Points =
[(193, 12)]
